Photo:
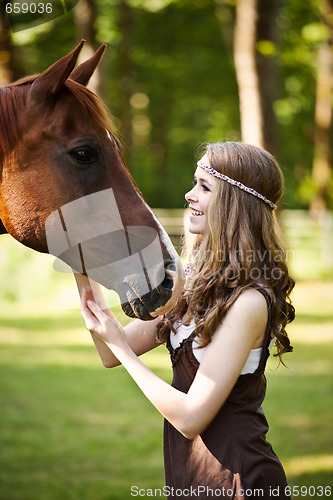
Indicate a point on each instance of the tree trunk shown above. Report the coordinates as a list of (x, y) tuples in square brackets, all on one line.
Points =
[(124, 76), (321, 170), (85, 16), (246, 72), (266, 33), (256, 70), (6, 69)]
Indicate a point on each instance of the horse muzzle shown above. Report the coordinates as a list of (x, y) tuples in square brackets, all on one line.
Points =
[(158, 300)]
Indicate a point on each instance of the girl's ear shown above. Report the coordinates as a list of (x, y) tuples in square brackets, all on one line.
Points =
[(52, 79), (84, 71)]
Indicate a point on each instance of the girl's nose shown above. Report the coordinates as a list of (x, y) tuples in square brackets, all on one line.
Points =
[(191, 196)]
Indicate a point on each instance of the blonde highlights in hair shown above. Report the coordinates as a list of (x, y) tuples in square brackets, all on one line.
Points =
[(241, 248)]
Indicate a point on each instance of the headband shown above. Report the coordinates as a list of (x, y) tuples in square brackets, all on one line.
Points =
[(241, 186)]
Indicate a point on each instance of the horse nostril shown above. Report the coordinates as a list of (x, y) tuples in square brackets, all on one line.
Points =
[(136, 309), (170, 265), (168, 282)]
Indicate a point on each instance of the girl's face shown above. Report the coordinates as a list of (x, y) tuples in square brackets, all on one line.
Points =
[(199, 199)]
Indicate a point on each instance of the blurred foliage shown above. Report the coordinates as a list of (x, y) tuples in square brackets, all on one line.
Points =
[(29, 276), (169, 78), (301, 32)]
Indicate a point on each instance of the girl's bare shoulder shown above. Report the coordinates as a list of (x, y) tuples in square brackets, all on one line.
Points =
[(250, 306)]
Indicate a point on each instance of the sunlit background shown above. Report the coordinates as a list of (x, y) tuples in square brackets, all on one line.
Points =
[(176, 73)]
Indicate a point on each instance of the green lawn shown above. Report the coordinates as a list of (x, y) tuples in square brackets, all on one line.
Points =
[(299, 404), (70, 429)]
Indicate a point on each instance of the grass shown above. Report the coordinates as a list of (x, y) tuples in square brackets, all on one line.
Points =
[(299, 404), (71, 429)]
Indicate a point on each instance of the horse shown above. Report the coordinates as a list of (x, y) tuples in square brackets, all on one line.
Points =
[(65, 189)]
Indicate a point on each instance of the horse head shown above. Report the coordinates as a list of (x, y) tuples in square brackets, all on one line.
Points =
[(65, 189)]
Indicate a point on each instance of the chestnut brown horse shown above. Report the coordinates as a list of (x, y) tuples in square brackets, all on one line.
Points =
[(65, 190)]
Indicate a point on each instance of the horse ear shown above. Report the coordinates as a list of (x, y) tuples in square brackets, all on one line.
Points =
[(52, 79), (83, 72)]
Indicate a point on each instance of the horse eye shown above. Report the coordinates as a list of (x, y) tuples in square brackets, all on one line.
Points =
[(83, 155)]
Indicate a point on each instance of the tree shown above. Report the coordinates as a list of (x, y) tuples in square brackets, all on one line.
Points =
[(266, 54), (85, 17), (6, 58), (321, 170), (254, 50), (124, 72), (246, 71)]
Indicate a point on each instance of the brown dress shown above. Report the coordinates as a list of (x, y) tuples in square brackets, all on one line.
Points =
[(231, 458)]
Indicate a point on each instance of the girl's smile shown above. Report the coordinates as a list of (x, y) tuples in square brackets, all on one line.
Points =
[(199, 199), (196, 212)]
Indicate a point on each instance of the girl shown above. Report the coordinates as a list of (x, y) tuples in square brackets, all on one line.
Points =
[(234, 306)]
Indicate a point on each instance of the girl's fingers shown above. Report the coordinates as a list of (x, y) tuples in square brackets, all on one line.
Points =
[(88, 313), (98, 313), (91, 321), (96, 320), (94, 308), (88, 295), (99, 323)]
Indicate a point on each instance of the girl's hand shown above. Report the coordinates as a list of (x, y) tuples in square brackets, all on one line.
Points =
[(104, 326)]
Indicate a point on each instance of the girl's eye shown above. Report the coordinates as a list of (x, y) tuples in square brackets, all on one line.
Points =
[(204, 187)]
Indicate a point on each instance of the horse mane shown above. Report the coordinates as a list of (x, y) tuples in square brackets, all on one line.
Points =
[(13, 101)]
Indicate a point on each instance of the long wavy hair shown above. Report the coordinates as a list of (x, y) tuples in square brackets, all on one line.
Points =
[(241, 248)]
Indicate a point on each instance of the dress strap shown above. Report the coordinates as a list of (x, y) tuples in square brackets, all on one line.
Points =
[(184, 346), (267, 336)]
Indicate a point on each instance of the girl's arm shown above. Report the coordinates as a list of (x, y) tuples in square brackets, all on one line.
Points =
[(242, 329), (139, 335)]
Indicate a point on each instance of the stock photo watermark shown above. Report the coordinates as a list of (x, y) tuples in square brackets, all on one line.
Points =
[(87, 235), (198, 491), (254, 265), (24, 14)]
